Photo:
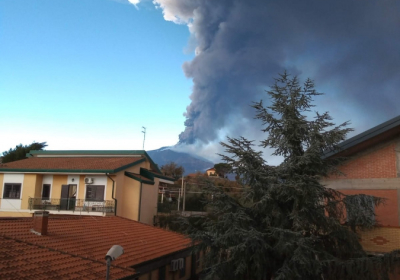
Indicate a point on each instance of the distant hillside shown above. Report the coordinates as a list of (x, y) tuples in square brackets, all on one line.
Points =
[(191, 163)]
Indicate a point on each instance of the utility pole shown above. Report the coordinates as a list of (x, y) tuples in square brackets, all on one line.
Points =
[(179, 198), (180, 194), (183, 207), (144, 135), (184, 197)]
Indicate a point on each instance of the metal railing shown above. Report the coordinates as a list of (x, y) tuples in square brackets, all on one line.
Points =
[(71, 204)]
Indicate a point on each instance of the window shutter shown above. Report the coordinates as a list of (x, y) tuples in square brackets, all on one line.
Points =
[(99, 193)]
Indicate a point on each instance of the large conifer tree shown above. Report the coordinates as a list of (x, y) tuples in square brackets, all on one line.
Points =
[(20, 151), (286, 224)]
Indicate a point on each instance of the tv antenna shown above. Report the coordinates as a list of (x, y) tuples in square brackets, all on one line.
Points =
[(144, 135)]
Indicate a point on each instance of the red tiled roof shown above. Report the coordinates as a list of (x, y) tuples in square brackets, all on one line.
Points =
[(89, 238), (21, 260), (70, 163)]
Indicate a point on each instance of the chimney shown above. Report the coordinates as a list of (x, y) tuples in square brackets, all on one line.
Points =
[(40, 221)]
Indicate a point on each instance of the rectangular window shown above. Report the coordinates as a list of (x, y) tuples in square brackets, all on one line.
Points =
[(94, 193), (161, 273), (360, 209), (182, 271), (12, 191), (46, 192)]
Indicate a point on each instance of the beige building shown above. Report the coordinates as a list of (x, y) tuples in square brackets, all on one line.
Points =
[(211, 172), (102, 183)]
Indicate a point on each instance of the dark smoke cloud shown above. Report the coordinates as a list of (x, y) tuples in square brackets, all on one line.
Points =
[(350, 47)]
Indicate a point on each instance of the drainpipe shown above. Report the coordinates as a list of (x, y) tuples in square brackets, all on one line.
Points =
[(112, 195), (140, 199)]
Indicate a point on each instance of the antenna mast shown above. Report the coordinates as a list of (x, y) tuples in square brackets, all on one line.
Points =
[(144, 135)]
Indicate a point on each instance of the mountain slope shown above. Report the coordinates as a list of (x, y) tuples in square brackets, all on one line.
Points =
[(191, 163)]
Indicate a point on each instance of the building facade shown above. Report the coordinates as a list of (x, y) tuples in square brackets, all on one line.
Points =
[(372, 167), (123, 183)]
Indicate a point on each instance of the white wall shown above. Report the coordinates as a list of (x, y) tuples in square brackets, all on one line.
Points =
[(47, 179), (12, 204), (97, 180)]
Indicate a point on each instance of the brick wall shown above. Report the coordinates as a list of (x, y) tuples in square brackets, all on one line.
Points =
[(376, 163), (381, 239)]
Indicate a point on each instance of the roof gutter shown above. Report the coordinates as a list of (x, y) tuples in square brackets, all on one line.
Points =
[(112, 195)]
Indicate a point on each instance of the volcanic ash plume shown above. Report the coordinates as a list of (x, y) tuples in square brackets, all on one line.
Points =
[(350, 47)]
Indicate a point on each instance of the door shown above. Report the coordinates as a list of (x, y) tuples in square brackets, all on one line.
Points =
[(68, 197)]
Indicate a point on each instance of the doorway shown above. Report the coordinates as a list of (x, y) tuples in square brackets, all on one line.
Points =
[(68, 197)]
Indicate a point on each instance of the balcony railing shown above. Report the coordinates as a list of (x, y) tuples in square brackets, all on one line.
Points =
[(71, 204)]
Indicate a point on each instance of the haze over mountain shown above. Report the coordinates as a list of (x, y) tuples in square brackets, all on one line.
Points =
[(192, 163)]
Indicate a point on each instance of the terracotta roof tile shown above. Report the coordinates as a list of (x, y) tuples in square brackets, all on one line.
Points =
[(83, 238), (22, 260), (70, 163)]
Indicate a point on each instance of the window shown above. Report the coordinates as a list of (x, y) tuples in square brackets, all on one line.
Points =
[(182, 271), (161, 273), (12, 191), (360, 209), (94, 193), (46, 191)]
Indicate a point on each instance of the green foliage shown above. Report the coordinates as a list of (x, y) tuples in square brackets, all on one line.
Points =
[(172, 170), (20, 151), (176, 223), (284, 224), (222, 169)]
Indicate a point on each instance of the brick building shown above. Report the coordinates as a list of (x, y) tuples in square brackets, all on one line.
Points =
[(373, 168)]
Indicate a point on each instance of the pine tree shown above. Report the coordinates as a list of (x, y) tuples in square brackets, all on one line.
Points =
[(286, 224), (20, 151)]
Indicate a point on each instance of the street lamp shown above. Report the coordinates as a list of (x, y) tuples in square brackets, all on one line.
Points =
[(112, 255)]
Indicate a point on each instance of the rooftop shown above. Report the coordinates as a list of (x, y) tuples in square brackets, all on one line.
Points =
[(76, 245), (384, 131), (71, 164)]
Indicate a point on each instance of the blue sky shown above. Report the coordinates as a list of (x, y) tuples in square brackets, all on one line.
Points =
[(89, 74)]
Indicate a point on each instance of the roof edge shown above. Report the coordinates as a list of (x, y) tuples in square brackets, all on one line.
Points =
[(132, 176), (57, 170), (366, 135), (128, 165), (87, 152)]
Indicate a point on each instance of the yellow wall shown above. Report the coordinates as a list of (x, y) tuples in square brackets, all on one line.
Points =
[(135, 168), (1, 186), (127, 192), (119, 192), (109, 188), (81, 191), (128, 197), (149, 202), (15, 214), (28, 189), (58, 181), (38, 187)]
